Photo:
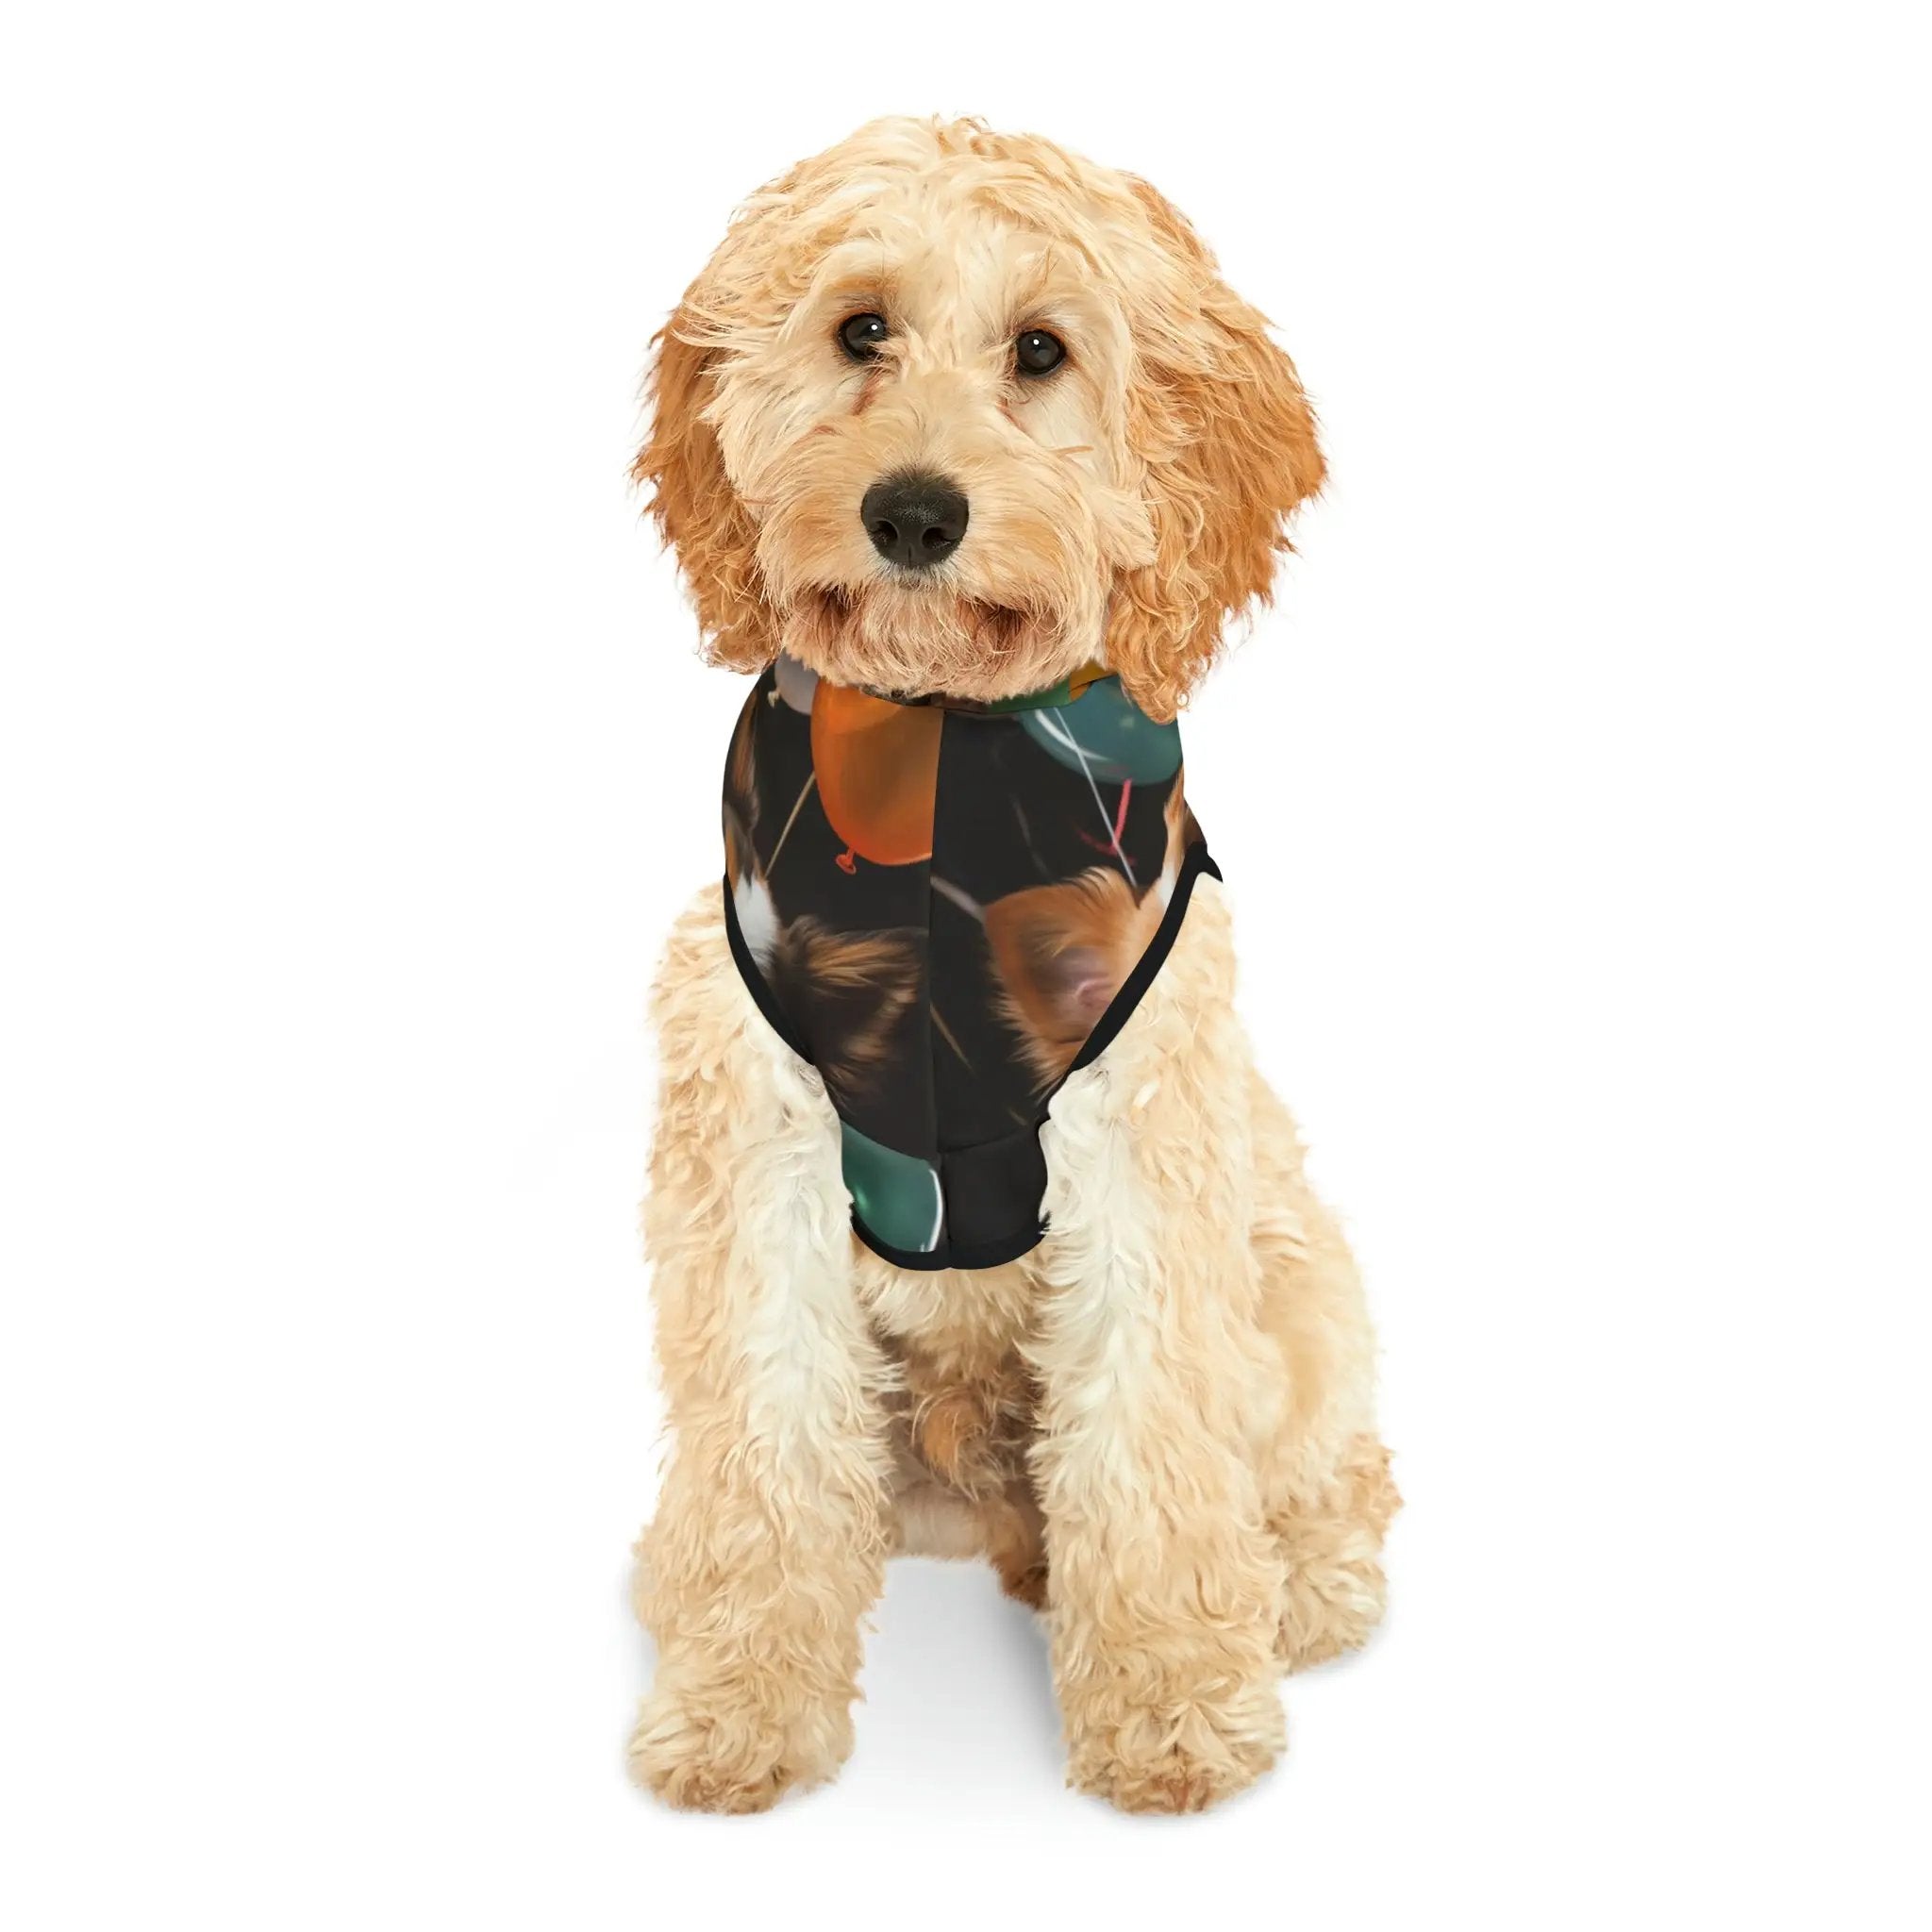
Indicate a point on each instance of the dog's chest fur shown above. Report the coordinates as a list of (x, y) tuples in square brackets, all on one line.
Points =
[(965, 1396)]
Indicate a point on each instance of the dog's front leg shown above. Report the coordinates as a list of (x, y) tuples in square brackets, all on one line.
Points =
[(768, 1546), (1155, 1378)]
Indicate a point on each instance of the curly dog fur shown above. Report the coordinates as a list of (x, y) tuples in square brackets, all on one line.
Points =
[(1159, 1426)]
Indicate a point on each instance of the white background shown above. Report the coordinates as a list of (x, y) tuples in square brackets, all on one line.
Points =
[(355, 760)]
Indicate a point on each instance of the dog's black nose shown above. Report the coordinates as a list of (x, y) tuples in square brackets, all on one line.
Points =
[(914, 519)]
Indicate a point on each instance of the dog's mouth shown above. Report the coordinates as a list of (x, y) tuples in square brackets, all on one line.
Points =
[(924, 641), (995, 627)]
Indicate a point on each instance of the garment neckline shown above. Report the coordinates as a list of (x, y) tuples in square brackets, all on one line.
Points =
[(1052, 697)]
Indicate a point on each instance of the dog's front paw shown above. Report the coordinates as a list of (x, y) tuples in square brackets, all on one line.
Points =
[(1178, 1754), (726, 1750)]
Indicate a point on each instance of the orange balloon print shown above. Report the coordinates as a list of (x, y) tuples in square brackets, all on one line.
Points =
[(877, 766)]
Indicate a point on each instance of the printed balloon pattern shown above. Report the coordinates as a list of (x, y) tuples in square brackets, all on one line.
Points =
[(878, 767), (1104, 735), (897, 1195), (796, 683), (939, 905)]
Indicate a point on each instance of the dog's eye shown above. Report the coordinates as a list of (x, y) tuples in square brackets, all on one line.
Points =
[(1036, 352), (861, 336)]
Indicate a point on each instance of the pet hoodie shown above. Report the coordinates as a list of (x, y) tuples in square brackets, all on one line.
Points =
[(946, 908)]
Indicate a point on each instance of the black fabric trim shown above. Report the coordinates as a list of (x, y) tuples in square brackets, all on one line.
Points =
[(929, 1262), (1120, 1009), (762, 997)]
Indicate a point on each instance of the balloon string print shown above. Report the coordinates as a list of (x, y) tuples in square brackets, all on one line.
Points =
[(973, 910), (946, 1033), (1120, 821), (964, 901), (1040, 865), (805, 792), (1061, 736)]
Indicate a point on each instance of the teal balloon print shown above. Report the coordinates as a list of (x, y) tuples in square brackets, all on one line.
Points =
[(897, 1195), (1106, 735)]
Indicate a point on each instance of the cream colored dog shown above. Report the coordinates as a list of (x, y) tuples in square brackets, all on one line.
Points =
[(1159, 1425)]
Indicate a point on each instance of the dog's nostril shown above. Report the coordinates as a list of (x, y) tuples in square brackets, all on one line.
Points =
[(914, 519)]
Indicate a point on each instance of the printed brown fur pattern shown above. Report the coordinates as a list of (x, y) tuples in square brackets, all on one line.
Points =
[(859, 987), (1064, 951)]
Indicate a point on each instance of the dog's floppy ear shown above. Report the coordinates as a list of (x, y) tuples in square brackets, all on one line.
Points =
[(1218, 416), (692, 500)]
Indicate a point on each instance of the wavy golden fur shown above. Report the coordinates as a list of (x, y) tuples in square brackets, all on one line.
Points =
[(1126, 508), (1159, 1426)]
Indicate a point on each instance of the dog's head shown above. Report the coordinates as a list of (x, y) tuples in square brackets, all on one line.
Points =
[(958, 412)]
